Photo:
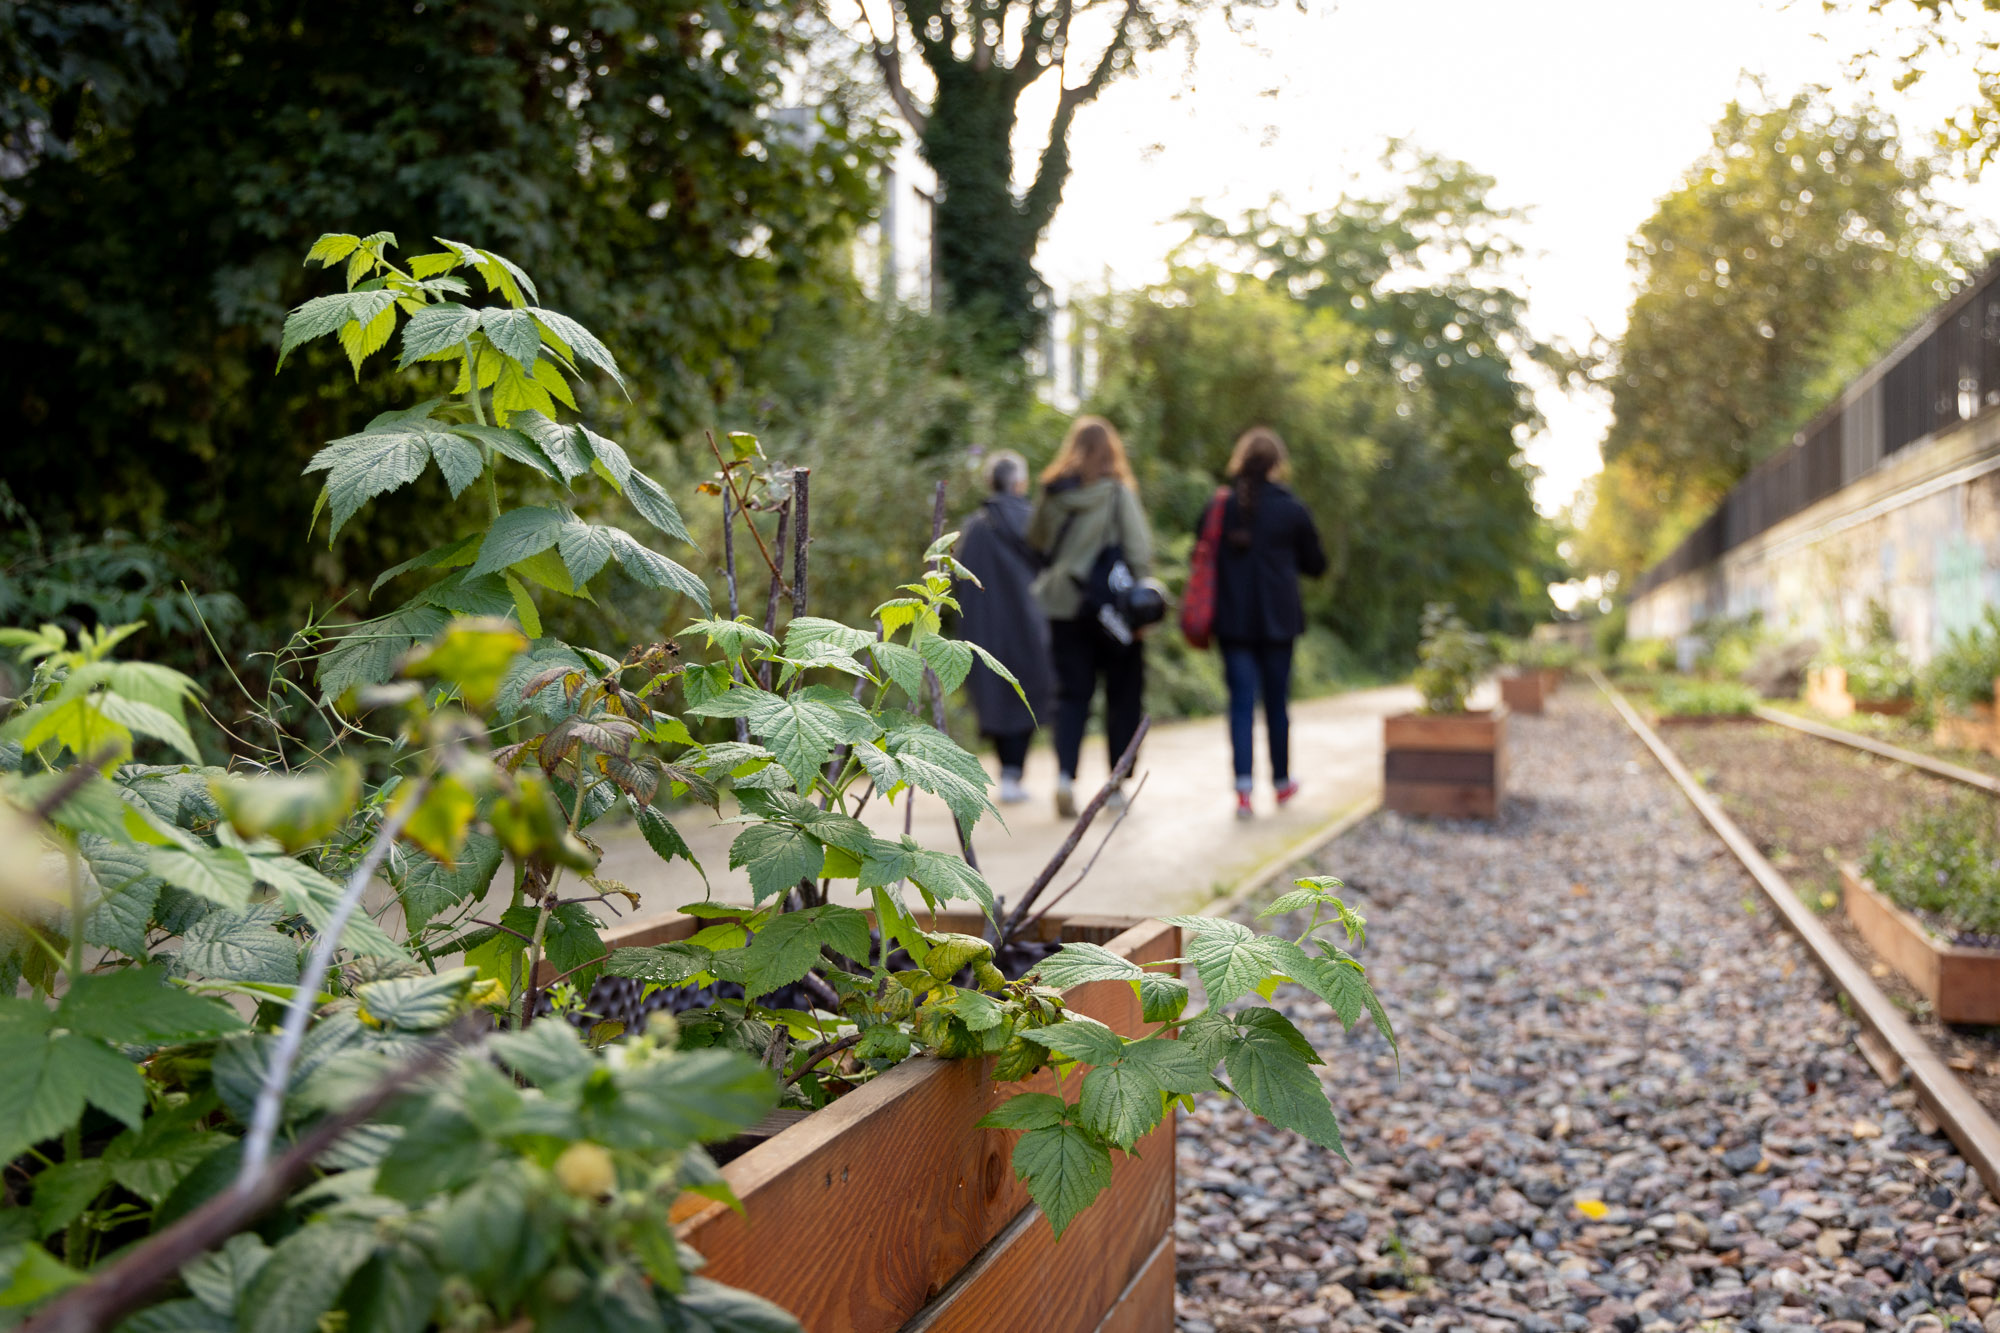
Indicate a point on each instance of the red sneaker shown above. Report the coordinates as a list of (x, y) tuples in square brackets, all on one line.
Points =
[(1243, 810), (1286, 790)]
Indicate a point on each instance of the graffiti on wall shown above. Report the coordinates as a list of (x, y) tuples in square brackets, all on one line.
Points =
[(1958, 585)]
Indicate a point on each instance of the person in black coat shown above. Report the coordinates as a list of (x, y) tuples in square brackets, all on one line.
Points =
[(1004, 618), (1267, 542)]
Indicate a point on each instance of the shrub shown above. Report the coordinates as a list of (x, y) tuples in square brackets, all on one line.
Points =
[(1644, 657), (1705, 698), (1532, 654), (1729, 645), (1450, 659), (1943, 861), (1961, 673), (1876, 670)]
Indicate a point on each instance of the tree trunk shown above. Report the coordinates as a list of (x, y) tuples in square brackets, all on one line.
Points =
[(985, 240)]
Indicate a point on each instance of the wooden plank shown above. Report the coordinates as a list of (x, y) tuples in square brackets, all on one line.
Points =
[(880, 1199), (1523, 693), (1958, 1112), (1970, 777), (1069, 1286), (1441, 731), (1447, 799), (1826, 691), (1465, 767), (1962, 984), (1147, 1304)]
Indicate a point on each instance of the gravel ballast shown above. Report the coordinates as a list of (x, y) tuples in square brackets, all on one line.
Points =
[(1627, 1099)]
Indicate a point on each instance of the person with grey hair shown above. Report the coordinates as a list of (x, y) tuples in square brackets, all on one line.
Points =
[(1003, 617)]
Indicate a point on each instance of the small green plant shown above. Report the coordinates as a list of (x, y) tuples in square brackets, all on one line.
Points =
[(1943, 861), (1532, 654), (1705, 698), (1450, 658), (1878, 670), (1961, 673), (1644, 657), (1729, 645)]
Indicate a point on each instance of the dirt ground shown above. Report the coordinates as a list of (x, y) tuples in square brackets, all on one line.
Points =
[(1809, 804)]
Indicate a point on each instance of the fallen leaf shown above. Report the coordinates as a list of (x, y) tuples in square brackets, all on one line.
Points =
[(1865, 1129), (1593, 1209)]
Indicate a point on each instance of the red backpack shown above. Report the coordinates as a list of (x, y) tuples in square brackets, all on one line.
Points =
[(1198, 600)]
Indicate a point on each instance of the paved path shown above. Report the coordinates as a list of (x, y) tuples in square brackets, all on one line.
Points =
[(1181, 845)]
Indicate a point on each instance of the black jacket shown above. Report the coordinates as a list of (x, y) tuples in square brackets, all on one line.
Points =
[(1003, 617), (1264, 549)]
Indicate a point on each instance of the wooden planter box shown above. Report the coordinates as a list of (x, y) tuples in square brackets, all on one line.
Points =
[(1523, 691), (889, 1210), (1963, 985), (1978, 732), (1445, 764), (1826, 692), (1552, 679)]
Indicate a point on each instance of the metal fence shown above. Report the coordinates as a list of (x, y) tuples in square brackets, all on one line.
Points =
[(1945, 371)]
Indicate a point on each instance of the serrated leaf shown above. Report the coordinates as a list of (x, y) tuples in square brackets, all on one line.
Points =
[(584, 548), (662, 964), (949, 658), (1027, 1110), (1123, 1099), (901, 664), (305, 1274), (777, 857), (665, 840), (329, 314), (1081, 1039), (451, 555), (512, 444), (564, 445), (428, 886), (242, 946), (578, 340), (1232, 965), (390, 452), (1078, 962), (1275, 1081), (1161, 998), (1065, 1168), (436, 328), (219, 874), (513, 332), (653, 570), (516, 535), (362, 340)]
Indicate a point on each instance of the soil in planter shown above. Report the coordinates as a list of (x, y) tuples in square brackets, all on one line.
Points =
[(1796, 796), (1902, 731)]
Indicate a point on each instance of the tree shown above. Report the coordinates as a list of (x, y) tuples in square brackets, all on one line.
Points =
[(1944, 32), (982, 57), (1795, 251), (1420, 276), (635, 157)]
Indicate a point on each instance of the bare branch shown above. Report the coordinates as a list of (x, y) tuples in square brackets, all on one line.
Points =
[(1091, 864), (1053, 171), (1089, 812)]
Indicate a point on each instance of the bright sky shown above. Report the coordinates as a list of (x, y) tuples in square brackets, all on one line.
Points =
[(1586, 111)]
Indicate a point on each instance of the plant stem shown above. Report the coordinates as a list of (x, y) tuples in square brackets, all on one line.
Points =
[(777, 590), (735, 608), (801, 536), (277, 1074), (1063, 853), (78, 1233), (479, 415), (729, 480)]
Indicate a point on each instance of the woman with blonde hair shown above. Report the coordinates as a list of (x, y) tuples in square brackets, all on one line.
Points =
[(1088, 519), (1267, 541)]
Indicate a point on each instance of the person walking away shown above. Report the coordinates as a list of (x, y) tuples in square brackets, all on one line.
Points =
[(1089, 507), (1268, 541), (1002, 616)]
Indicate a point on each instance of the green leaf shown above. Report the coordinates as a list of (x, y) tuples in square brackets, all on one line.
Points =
[(1161, 997), (662, 964), (329, 314), (153, 1159), (310, 894), (516, 390), (368, 653), (416, 1004), (524, 605), (777, 856), (1234, 963), (660, 835), (801, 729), (305, 1274), (390, 452), (428, 886), (578, 340), (513, 332), (1125, 1099), (901, 664), (884, 1041), (585, 548), (137, 1006), (949, 658), (395, 1291), (516, 535), (655, 505), (1081, 1039), (1027, 1110), (696, 1096), (543, 1053), (436, 328), (731, 636), (512, 444), (1078, 962), (563, 444), (148, 720), (242, 945), (219, 1278), (789, 945), (1275, 1081), (807, 632), (928, 759), (51, 1077), (653, 570), (65, 1190), (1065, 1168), (219, 874), (979, 1012)]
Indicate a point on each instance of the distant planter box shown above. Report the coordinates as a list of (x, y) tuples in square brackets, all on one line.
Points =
[(1445, 763), (1523, 691), (1963, 985), (890, 1210), (1826, 692)]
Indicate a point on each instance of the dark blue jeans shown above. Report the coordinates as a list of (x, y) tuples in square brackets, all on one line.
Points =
[(1251, 669)]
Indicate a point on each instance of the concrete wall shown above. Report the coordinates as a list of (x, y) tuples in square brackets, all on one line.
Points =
[(1920, 533)]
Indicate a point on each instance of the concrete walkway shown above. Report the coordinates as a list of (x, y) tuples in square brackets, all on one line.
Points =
[(1180, 846)]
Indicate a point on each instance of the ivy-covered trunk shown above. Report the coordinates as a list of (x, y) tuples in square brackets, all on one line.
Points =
[(986, 237)]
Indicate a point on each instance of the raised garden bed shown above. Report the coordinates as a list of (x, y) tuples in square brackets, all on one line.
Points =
[(1962, 984), (1445, 763), (1956, 731), (891, 1210), (1826, 692), (1524, 691)]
